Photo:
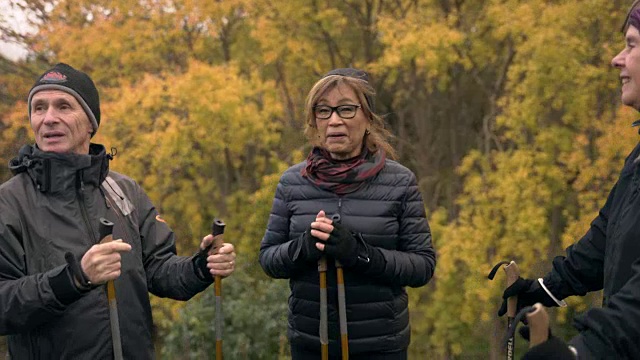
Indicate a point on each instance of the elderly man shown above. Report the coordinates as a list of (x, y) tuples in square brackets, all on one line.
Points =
[(53, 265), (607, 257)]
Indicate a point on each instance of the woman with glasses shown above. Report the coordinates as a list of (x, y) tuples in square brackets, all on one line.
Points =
[(348, 229)]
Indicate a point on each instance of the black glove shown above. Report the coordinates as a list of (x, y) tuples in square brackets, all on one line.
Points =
[(528, 292), (304, 249), (553, 348), (346, 247), (200, 265), (75, 269), (525, 332), (71, 283)]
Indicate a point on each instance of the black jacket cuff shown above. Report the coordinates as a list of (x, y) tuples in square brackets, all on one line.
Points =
[(374, 263), (64, 288), (78, 277), (200, 268), (553, 348), (294, 250), (584, 352)]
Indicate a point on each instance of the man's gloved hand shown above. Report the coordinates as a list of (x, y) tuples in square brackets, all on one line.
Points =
[(345, 247), (553, 348), (304, 249), (528, 292)]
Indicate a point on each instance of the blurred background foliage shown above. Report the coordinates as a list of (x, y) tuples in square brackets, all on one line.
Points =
[(507, 110)]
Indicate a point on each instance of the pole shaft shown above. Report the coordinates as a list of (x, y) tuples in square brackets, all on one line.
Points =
[(511, 340), (218, 349), (513, 273), (324, 328), (114, 323), (217, 230), (342, 312), (219, 316)]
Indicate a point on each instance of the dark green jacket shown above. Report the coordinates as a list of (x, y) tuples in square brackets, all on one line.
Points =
[(52, 206)]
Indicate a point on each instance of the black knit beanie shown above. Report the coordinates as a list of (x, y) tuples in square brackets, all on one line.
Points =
[(74, 82), (356, 74)]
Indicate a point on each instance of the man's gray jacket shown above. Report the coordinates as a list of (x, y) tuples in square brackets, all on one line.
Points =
[(52, 206)]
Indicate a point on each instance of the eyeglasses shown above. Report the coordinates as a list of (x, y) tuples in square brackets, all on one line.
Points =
[(324, 112)]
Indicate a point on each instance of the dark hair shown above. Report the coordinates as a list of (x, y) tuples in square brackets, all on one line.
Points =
[(378, 137), (627, 22)]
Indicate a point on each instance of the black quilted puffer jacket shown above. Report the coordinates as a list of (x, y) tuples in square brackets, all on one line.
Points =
[(389, 214)]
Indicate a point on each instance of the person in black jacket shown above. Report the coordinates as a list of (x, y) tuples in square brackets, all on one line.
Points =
[(350, 204), (607, 257), (53, 266)]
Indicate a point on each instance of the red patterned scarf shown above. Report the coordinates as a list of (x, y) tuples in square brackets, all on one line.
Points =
[(342, 177)]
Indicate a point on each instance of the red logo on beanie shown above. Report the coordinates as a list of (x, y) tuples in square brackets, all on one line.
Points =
[(54, 76)]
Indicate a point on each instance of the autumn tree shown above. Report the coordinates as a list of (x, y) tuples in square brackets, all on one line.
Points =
[(507, 110)]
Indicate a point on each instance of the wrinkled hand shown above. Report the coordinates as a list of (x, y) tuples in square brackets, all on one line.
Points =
[(528, 292), (223, 262), (321, 229), (102, 262), (337, 241)]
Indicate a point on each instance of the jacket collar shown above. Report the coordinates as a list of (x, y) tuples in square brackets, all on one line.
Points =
[(54, 172)]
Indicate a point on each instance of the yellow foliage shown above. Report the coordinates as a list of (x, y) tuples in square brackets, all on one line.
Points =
[(203, 101)]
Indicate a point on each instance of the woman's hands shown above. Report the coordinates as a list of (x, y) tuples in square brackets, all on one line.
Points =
[(325, 236), (337, 241)]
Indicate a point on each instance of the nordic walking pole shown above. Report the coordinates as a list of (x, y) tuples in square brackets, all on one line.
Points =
[(538, 320), (342, 312), (106, 231), (324, 326), (513, 273), (217, 230), (538, 325)]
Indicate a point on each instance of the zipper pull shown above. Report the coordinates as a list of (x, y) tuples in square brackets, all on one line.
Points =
[(80, 181)]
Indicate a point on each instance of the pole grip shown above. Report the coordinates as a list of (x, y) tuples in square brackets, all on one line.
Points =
[(513, 273), (217, 230), (538, 325), (106, 230)]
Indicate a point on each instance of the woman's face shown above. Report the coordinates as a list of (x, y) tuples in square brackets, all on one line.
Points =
[(342, 137)]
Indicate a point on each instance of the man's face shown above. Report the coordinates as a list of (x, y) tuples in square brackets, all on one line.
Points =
[(628, 61), (59, 123)]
